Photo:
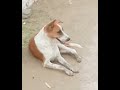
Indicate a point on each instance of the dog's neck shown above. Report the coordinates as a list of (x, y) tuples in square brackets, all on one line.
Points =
[(43, 35)]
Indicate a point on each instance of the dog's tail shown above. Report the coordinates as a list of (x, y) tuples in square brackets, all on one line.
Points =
[(74, 45)]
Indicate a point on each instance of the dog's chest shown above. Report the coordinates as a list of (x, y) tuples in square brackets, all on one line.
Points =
[(48, 47), (53, 50), (50, 50)]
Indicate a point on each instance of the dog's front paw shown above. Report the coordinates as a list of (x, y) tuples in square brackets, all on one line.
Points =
[(79, 59), (74, 70), (68, 72)]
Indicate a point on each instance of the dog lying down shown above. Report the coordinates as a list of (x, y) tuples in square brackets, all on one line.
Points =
[(48, 45)]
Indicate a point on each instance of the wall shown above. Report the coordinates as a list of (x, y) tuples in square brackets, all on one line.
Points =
[(26, 4)]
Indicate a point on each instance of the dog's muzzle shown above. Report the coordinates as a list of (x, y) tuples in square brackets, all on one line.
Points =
[(63, 42)]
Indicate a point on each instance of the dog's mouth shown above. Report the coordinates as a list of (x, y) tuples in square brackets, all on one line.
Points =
[(60, 41), (63, 42)]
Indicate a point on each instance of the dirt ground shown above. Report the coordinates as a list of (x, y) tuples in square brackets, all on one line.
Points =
[(80, 22)]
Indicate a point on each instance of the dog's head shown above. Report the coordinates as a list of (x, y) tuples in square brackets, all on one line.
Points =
[(55, 30)]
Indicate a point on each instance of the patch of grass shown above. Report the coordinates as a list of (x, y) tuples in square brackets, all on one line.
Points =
[(32, 25)]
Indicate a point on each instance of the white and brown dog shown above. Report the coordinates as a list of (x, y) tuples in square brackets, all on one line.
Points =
[(48, 45)]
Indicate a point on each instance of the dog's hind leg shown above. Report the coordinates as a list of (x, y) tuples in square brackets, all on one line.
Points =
[(48, 64), (66, 64)]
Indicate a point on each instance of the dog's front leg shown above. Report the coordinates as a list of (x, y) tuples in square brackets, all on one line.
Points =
[(48, 64), (66, 64), (65, 49)]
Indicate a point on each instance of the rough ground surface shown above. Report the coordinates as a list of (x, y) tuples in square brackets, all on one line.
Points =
[(80, 23)]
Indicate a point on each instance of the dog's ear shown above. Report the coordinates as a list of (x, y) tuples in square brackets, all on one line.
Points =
[(51, 24), (58, 21)]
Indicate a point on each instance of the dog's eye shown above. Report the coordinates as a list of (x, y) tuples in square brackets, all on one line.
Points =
[(59, 31)]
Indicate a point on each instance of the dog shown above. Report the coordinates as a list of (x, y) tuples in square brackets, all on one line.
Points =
[(50, 43)]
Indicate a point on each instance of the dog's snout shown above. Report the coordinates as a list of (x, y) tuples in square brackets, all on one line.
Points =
[(68, 39)]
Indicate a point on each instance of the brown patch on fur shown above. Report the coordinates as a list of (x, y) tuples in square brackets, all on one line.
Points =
[(53, 29), (35, 52)]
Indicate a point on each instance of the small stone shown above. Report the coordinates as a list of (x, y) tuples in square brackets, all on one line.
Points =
[(24, 23), (26, 13)]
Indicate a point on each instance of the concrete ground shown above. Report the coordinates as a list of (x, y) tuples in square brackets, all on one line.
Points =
[(81, 24)]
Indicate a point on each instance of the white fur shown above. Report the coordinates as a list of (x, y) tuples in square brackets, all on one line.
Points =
[(52, 51), (75, 45)]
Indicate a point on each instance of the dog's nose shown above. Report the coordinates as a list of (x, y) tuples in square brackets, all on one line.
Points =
[(68, 39)]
